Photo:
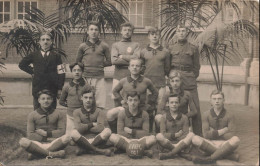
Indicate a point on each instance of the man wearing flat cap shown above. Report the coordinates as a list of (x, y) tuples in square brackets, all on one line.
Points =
[(46, 71)]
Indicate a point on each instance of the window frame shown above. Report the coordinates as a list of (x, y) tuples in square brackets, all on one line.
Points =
[(3, 12), (17, 13)]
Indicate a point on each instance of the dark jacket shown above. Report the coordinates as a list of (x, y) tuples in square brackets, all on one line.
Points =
[(44, 71)]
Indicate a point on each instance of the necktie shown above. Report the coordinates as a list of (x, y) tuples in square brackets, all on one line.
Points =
[(45, 55)]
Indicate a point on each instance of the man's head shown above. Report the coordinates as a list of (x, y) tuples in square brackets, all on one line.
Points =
[(76, 70), (181, 31), (154, 35), (127, 30), (45, 98), (93, 30), (88, 98), (133, 100), (135, 66), (217, 99), (175, 79), (174, 102), (46, 41)]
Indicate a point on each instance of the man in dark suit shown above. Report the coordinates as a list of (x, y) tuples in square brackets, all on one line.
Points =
[(46, 71)]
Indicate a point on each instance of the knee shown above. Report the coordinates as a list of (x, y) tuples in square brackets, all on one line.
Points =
[(75, 135), (152, 139), (158, 118), (24, 142), (114, 138), (65, 139), (196, 140), (106, 133), (190, 135), (159, 137), (234, 141), (112, 114)]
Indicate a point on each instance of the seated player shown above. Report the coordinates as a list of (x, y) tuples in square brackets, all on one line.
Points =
[(186, 101), (174, 128), (133, 125), (218, 131), (90, 126), (134, 82), (45, 130), (71, 92)]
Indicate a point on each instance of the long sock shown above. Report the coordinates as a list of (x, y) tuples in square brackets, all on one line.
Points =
[(232, 156), (157, 128), (57, 145), (207, 147), (37, 150), (113, 125), (83, 142), (222, 151), (168, 145), (97, 140), (178, 148), (122, 144)]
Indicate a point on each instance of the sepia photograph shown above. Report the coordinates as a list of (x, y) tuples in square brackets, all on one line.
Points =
[(129, 82)]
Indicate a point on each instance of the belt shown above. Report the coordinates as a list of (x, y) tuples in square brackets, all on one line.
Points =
[(183, 68)]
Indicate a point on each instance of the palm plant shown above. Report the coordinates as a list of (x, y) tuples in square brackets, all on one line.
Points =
[(218, 40), (1, 67), (82, 11)]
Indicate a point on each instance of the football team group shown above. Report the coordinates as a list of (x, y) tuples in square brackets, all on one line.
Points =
[(156, 103)]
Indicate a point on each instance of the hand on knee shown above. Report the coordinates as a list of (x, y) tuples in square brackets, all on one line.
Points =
[(24, 142)]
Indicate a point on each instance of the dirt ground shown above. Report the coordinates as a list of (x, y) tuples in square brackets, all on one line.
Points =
[(247, 130)]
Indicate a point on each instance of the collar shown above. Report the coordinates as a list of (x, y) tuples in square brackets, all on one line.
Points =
[(126, 40), (182, 42), (42, 112), (81, 82), (129, 115), (139, 79), (150, 48), (221, 114), (84, 111), (181, 93), (93, 44), (170, 118), (43, 52)]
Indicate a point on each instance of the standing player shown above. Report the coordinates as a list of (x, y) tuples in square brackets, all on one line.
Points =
[(45, 71), (90, 124), (219, 132), (45, 130), (157, 62), (134, 82), (95, 55), (133, 125), (174, 128), (71, 93), (122, 52)]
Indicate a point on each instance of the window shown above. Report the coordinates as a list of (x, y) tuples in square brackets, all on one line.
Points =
[(22, 6), (135, 12), (5, 11)]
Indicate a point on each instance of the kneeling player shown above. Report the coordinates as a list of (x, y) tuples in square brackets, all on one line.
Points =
[(218, 130), (174, 128), (90, 123), (133, 129), (45, 130)]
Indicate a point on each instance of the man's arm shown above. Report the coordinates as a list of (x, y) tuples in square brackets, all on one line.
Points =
[(207, 130), (116, 92), (121, 125), (100, 123), (231, 128), (31, 133), (139, 133), (61, 126), (80, 52), (136, 54), (185, 128), (107, 62), (193, 109), (64, 95), (25, 64), (154, 91), (162, 104), (163, 129), (196, 62), (167, 63), (115, 57), (81, 127), (61, 77)]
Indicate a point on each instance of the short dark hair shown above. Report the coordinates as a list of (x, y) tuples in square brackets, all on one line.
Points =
[(137, 59), (133, 94), (174, 95), (49, 33), (94, 23), (127, 24), (87, 90), (45, 91), (153, 30), (215, 92), (81, 65)]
